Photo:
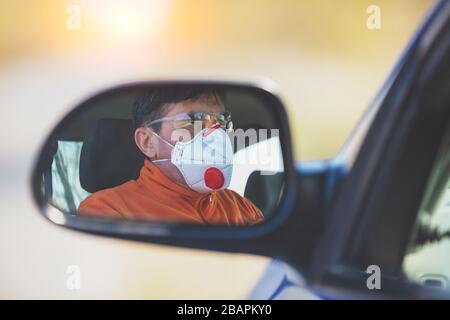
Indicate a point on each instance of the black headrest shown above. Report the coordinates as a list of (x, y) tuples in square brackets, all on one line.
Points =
[(109, 155), (264, 190)]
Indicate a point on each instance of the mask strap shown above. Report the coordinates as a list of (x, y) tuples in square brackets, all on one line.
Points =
[(162, 160), (163, 140)]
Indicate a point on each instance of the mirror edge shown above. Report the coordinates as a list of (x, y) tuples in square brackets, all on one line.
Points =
[(227, 239)]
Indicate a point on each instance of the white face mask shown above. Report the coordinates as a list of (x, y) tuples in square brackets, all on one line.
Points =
[(206, 161)]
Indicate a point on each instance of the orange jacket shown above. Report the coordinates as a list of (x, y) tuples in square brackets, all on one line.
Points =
[(154, 197)]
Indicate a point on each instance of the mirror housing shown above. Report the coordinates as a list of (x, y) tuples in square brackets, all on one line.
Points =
[(268, 238)]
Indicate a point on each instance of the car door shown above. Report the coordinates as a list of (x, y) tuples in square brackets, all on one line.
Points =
[(377, 220)]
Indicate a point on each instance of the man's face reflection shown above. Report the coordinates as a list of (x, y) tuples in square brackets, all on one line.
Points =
[(155, 148)]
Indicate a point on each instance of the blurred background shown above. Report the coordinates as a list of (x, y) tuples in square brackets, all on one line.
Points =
[(327, 63)]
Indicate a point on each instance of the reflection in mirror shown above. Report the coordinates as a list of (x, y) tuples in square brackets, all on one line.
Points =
[(176, 154)]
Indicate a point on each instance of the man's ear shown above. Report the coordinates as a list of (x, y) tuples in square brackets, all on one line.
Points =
[(145, 141)]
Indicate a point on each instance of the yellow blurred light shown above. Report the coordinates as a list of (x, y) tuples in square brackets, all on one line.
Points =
[(126, 21)]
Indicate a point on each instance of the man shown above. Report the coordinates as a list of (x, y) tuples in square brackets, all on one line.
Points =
[(173, 186)]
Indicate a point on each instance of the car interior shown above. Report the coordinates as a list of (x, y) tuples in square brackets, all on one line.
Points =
[(430, 241)]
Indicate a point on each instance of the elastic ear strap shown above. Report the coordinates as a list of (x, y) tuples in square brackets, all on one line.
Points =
[(162, 139), (160, 160)]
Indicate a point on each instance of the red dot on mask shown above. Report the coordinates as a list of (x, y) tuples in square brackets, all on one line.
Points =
[(214, 178)]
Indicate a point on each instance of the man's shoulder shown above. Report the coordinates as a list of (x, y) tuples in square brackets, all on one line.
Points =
[(230, 194), (236, 197), (107, 196), (245, 206), (106, 193)]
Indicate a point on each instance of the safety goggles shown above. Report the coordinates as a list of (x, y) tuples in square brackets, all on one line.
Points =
[(184, 120)]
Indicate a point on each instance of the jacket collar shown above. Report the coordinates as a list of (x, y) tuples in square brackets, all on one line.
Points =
[(150, 175)]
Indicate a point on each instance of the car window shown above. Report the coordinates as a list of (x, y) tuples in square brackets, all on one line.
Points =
[(259, 175), (264, 157), (428, 260), (67, 192)]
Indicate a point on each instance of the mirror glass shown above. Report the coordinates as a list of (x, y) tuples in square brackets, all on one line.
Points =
[(169, 153)]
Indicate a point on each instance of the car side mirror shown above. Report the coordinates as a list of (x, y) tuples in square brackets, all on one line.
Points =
[(175, 162)]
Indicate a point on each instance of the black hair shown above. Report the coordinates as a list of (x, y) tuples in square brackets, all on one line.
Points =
[(152, 104)]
